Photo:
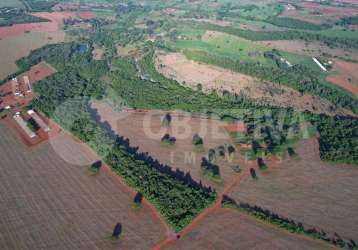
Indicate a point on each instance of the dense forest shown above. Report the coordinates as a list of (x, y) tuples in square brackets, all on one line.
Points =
[(338, 138)]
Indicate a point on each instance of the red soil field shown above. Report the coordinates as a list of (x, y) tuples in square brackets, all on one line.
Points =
[(28, 27), (304, 188), (48, 203), (347, 76), (86, 15), (229, 229), (236, 127), (56, 19), (329, 10)]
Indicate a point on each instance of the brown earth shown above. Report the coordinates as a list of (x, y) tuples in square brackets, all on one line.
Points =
[(304, 16), (97, 53), (144, 130), (310, 48), (346, 77), (318, 194), (47, 202), (329, 10), (190, 73), (16, 47), (55, 18), (230, 229)]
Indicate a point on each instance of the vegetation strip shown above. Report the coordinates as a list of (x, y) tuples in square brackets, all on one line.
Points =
[(288, 224)]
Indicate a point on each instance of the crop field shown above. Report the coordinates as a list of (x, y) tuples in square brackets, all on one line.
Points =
[(318, 13), (310, 49), (177, 66), (346, 76), (50, 201), (144, 130), (229, 229), (305, 189), (218, 43), (16, 47)]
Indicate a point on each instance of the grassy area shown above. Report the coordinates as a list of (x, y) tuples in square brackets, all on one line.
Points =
[(237, 48), (11, 3)]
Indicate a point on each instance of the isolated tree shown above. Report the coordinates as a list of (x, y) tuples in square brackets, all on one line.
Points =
[(167, 119), (95, 167), (137, 201), (231, 150), (211, 155), (117, 231), (197, 140), (167, 139), (221, 150), (253, 173)]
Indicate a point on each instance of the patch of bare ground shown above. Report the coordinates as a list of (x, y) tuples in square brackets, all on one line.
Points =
[(346, 77), (310, 48), (125, 51), (304, 16), (331, 11), (318, 194), (50, 202), (97, 53), (176, 66), (144, 130), (230, 229)]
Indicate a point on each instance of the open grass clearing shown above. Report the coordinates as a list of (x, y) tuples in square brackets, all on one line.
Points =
[(11, 3)]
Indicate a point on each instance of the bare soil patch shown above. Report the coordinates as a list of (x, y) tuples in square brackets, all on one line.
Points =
[(190, 73), (55, 18), (97, 53), (346, 77), (48, 202), (318, 194), (329, 10), (229, 229), (303, 16), (86, 15)]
